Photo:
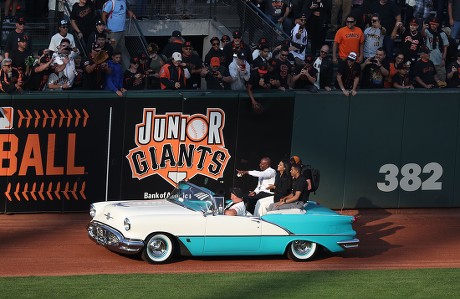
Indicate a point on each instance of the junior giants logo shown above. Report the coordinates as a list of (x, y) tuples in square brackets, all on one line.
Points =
[(177, 146)]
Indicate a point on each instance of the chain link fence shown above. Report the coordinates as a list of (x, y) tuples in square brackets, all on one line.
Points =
[(253, 23)]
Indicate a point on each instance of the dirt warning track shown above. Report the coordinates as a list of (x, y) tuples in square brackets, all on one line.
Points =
[(57, 244)]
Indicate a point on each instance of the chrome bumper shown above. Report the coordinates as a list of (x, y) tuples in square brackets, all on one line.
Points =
[(347, 244), (112, 239)]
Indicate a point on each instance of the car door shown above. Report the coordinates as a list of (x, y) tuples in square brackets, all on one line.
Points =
[(232, 235)]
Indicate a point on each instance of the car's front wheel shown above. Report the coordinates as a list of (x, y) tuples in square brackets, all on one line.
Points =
[(159, 248), (301, 250)]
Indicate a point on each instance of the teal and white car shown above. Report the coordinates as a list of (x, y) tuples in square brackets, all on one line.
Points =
[(190, 222)]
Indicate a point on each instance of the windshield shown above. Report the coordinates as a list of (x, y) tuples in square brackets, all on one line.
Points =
[(192, 197)]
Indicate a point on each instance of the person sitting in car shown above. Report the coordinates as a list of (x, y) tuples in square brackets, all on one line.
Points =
[(299, 195), (237, 207)]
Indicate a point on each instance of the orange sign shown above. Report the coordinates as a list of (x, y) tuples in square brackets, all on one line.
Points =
[(177, 146)]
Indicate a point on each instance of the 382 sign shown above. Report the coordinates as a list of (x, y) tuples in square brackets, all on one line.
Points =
[(411, 177)]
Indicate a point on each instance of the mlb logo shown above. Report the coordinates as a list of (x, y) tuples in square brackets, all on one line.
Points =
[(6, 118)]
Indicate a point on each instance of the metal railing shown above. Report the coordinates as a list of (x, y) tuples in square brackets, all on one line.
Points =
[(80, 43), (136, 43)]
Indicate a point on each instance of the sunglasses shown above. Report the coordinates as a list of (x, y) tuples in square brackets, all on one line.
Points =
[(64, 27), (7, 65), (374, 20), (350, 21)]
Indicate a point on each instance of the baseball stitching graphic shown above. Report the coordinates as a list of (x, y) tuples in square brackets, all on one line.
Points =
[(197, 129)]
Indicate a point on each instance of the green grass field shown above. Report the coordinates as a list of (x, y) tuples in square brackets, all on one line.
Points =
[(423, 283)]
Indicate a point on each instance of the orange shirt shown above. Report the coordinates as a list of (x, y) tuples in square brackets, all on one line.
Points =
[(348, 40), (389, 79)]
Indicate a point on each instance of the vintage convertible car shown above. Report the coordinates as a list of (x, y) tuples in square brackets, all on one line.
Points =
[(191, 222)]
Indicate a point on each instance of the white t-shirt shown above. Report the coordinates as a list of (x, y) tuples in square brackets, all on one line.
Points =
[(240, 208), (56, 41), (303, 40)]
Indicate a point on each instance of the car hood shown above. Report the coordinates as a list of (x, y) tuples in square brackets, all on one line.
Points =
[(123, 209)]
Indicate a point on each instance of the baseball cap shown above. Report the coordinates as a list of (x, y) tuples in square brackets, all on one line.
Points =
[(100, 22), (352, 56), (176, 33), (23, 38), (236, 34), (63, 22), (434, 20), (424, 49), (20, 20), (413, 21), (241, 54), (215, 61), (237, 192), (262, 69), (309, 59), (176, 56), (187, 45)]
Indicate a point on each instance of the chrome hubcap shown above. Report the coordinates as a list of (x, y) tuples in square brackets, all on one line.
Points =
[(157, 248), (302, 247)]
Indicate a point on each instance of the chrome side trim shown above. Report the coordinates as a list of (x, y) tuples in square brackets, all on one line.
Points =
[(118, 244), (347, 244)]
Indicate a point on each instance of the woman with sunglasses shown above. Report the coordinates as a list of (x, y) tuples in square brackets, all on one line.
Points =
[(215, 51)]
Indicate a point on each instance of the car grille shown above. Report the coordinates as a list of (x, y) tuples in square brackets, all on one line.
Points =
[(102, 235)]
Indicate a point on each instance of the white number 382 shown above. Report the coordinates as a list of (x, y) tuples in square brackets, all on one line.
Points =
[(410, 177)]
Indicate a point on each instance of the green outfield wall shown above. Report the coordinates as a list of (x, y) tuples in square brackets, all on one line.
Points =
[(381, 149), (60, 152)]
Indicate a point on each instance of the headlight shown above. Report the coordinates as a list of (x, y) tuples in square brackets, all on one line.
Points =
[(92, 211), (127, 224)]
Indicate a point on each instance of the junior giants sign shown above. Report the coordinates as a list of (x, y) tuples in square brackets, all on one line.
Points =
[(178, 146)]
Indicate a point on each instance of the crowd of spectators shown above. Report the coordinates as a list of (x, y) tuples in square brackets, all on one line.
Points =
[(371, 46)]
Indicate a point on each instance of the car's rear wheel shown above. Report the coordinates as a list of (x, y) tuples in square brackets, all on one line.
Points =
[(159, 248), (300, 250)]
